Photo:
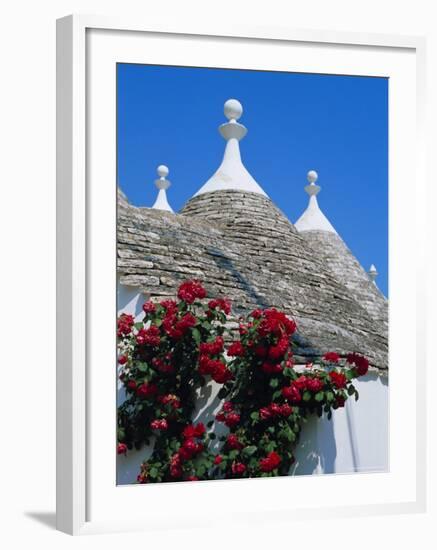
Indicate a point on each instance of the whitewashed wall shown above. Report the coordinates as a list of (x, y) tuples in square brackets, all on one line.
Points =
[(354, 440)]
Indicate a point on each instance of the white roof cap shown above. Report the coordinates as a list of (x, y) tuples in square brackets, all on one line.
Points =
[(162, 184), (231, 173), (373, 273), (313, 218)]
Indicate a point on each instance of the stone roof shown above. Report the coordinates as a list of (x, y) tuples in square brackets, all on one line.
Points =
[(243, 247)]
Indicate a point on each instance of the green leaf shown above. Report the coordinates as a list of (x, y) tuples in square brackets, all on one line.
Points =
[(306, 395), (139, 326), (142, 367), (351, 390), (319, 396), (274, 383), (248, 451), (254, 416), (288, 373), (153, 472), (196, 335), (330, 396)]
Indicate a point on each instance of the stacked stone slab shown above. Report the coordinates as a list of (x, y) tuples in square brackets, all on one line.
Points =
[(243, 247)]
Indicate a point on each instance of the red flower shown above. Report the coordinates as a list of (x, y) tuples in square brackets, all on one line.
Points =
[(220, 303), (315, 384), (233, 442), (149, 307), (190, 291), (169, 305), (332, 357), (132, 385), (124, 324), (277, 352), (338, 379), (301, 383), (121, 448), (228, 406), (212, 348), (149, 337), (219, 372), (232, 419), (292, 394), (361, 363), (238, 468), (256, 313), (218, 459), (270, 368), (175, 466), (192, 478), (286, 410), (236, 349), (265, 413), (146, 390), (122, 359), (269, 463), (199, 429), (340, 400), (159, 424)]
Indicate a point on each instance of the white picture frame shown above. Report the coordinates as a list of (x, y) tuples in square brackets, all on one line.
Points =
[(74, 209)]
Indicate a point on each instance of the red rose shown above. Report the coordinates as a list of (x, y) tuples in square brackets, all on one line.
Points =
[(199, 429), (286, 410), (132, 385), (361, 363), (191, 290), (148, 337), (265, 413), (340, 400), (315, 384), (121, 449), (301, 383), (159, 424), (122, 359), (192, 478), (238, 468), (232, 419), (233, 442), (149, 307), (291, 393), (228, 406), (146, 390), (218, 459), (332, 357), (269, 463), (236, 349), (124, 325), (189, 431), (220, 303), (338, 379)]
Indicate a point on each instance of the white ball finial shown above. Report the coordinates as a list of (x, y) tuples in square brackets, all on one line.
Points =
[(312, 176), (233, 109), (162, 171)]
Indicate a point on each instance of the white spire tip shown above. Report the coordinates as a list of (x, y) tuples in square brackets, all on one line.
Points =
[(233, 109), (162, 171), (312, 176)]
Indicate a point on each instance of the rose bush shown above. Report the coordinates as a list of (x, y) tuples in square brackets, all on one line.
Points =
[(177, 346)]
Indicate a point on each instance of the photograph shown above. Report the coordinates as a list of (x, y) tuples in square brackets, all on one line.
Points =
[(252, 274)]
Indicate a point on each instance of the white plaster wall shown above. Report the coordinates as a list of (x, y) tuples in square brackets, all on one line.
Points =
[(354, 440)]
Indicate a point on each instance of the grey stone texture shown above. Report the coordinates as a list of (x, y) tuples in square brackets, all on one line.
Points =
[(244, 248)]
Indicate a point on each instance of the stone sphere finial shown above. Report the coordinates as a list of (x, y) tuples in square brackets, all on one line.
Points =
[(312, 176), (233, 109), (162, 171)]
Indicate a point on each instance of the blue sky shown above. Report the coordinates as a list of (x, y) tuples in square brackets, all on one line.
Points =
[(336, 125)]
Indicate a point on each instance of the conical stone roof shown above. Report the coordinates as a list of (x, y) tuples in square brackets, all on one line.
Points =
[(231, 236), (330, 248)]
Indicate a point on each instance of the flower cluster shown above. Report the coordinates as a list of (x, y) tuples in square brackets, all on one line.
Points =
[(164, 358)]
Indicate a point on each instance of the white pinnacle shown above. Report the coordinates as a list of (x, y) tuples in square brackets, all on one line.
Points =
[(373, 273), (162, 184), (313, 218), (232, 174)]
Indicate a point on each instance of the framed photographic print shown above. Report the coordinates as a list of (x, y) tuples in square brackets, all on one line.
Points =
[(234, 306)]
